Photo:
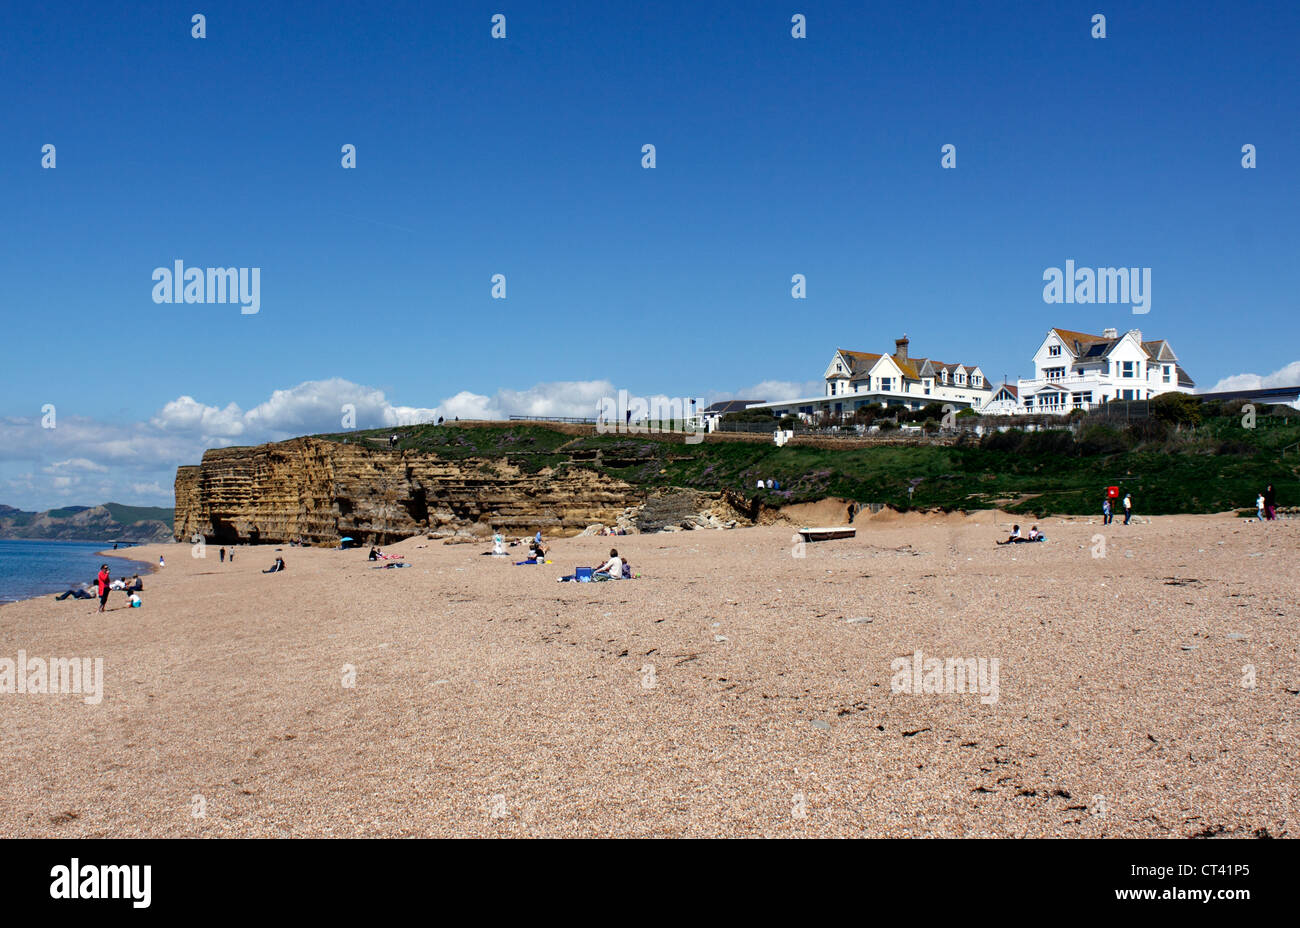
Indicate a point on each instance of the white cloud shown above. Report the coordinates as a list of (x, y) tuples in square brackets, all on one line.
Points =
[(1288, 376), (771, 391), (71, 464)]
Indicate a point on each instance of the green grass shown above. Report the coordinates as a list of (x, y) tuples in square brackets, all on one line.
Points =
[(1214, 467)]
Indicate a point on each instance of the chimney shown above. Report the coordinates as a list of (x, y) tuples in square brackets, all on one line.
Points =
[(1110, 333), (900, 348)]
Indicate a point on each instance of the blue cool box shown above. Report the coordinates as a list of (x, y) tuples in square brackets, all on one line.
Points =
[(583, 574)]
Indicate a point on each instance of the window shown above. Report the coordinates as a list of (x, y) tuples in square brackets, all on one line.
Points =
[(1082, 400), (1029, 402), (943, 376), (976, 381), (961, 378), (1127, 369), (839, 367), (1054, 373), (886, 383), (1169, 371), (1054, 351)]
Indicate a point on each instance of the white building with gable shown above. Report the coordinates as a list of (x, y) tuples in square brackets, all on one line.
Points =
[(1075, 370), (896, 381)]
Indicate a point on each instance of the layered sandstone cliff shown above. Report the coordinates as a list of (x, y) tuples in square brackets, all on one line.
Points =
[(320, 491)]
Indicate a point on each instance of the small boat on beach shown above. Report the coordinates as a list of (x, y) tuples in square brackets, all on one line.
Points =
[(826, 534)]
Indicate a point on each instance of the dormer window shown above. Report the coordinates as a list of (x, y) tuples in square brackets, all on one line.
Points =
[(1054, 351)]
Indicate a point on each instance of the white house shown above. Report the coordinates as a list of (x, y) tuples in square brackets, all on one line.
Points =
[(1074, 370), (858, 378)]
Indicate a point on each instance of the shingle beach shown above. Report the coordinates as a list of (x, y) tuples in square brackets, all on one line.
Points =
[(735, 689)]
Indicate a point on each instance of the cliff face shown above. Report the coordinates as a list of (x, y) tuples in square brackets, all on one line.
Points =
[(321, 491)]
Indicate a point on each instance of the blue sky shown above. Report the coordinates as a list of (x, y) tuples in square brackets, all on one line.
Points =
[(522, 156)]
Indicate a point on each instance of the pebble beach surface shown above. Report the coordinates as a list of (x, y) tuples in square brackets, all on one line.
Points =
[(743, 686)]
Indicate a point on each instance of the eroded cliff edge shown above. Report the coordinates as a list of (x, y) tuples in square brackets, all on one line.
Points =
[(319, 491)]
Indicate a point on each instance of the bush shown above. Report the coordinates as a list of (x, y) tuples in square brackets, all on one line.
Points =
[(1177, 409), (748, 415), (1053, 442), (966, 413), (1101, 439), (1009, 441), (1147, 430)]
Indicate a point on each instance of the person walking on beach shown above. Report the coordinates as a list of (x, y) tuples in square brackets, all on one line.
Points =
[(102, 584), (161, 562), (1105, 511), (1128, 507), (1259, 507), (222, 555), (1270, 503)]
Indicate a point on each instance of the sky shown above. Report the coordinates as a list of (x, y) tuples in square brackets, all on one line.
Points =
[(523, 156)]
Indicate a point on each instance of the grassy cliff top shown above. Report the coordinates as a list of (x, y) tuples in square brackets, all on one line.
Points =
[(1210, 466)]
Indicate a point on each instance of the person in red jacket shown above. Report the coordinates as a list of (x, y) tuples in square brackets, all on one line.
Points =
[(101, 584)]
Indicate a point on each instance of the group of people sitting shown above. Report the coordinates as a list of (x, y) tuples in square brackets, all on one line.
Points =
[(102, 585), (536, 550), (1016, 538), (616, 568), (88, 590)]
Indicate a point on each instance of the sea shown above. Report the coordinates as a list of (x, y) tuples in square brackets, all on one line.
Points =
[(36, 568)]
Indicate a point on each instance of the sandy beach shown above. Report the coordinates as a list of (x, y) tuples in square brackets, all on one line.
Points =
[(725, 693)]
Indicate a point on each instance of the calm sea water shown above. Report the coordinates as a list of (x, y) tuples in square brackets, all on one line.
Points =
[(31, 568)]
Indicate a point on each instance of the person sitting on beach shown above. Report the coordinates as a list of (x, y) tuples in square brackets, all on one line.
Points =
[(374, 553), (498, 543), (118, 584), (611, 569), (1014, 537), (276, 567), (1034, 533), (136, 585)]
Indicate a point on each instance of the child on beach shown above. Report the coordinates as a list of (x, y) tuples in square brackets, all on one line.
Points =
[(1259, 507)]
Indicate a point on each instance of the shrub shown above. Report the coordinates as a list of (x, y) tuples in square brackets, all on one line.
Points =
[(1147, 430), (1101, 439), (1176, 409)]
